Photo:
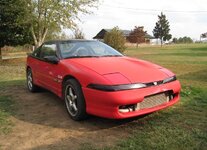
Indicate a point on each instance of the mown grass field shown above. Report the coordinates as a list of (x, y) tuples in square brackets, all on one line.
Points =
[(183, 126)]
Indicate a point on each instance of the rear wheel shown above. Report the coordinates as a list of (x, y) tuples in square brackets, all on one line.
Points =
[(30, 84), (74, 100)]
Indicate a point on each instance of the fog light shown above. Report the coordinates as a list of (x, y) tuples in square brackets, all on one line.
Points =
[(127, 108)]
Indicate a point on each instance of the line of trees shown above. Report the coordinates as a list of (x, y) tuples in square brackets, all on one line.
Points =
[(180, 40), (161, 31), (33, 21), (116, 39)]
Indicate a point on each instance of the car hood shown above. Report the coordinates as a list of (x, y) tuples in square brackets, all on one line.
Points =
[(123, 70)]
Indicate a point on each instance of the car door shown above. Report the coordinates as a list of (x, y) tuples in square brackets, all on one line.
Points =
[(47, 71), (34, 64)]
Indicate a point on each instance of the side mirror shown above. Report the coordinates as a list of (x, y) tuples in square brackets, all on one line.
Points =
[(51, 59)]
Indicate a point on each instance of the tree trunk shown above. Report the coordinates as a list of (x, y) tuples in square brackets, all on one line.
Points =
[(41, 37), (161, 42), (34, 37), (44, 35)]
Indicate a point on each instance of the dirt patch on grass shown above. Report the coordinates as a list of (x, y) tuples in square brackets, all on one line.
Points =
[(42, 122)]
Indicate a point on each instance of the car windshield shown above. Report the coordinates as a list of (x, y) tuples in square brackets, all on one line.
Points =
[(78, 49)]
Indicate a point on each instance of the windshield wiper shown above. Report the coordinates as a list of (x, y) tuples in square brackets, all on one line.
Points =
[(111, 56)]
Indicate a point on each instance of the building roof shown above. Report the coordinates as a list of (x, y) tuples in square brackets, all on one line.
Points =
[(149, 36), (125, 32)]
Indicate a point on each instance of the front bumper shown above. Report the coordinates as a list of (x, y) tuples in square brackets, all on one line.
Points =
[(106, 104)]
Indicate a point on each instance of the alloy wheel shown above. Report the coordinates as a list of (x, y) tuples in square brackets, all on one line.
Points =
[(71, 100)]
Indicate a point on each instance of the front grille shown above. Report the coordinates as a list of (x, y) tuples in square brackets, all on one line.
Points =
[(154, 100), (148, 102)]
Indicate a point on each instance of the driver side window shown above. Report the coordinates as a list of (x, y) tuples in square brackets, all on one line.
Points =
[(48, 50)]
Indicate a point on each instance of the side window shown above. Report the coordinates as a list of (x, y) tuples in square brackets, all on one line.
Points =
[(48, 50)]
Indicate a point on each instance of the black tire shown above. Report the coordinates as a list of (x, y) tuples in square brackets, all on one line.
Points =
[(30, 85), (74, 100)]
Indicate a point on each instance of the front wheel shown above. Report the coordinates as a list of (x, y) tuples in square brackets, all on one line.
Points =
[(74, 100)]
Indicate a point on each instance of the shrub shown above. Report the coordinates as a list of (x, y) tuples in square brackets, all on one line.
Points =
[(115, 39)]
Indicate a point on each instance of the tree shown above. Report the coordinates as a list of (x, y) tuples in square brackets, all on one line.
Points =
[(12, 30), (115, 39), (78, 34), (48, 15), (57, 35), (137, 35), (63, 36), (203, 35), (162, 29)]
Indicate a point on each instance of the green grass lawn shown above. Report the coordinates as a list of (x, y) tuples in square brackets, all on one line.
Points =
[(6, 109), (183, 126), (12, 73)]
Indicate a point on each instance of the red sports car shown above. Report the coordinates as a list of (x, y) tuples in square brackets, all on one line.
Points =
[(93, 78)]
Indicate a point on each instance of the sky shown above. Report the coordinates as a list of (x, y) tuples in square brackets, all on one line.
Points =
[(186, 17)]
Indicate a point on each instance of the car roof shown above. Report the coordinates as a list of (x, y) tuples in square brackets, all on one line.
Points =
[(70, 40)]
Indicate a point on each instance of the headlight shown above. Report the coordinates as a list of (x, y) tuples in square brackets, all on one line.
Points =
[(116, 87), (173, 78)]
